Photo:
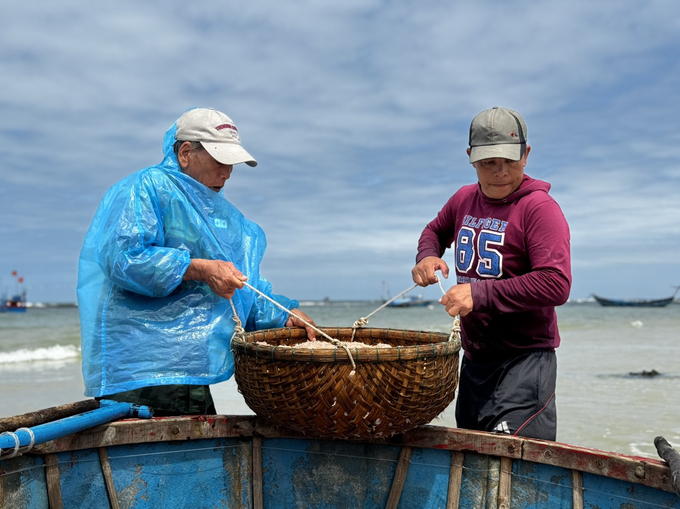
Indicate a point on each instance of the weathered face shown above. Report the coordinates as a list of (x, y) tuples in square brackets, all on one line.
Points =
[(500, 177), (201, 166)]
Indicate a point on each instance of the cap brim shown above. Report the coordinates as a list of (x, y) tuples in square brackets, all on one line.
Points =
[(229, 153), (512, 151)]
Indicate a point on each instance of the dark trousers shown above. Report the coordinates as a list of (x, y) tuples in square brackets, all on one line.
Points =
[(514, 396), (167, 400)]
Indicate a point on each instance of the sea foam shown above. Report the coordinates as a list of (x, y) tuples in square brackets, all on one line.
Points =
[(52, 353)]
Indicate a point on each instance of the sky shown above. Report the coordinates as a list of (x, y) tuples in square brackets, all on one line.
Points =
[(358, 113)]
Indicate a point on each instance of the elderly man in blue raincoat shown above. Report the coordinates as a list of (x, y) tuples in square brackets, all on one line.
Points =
[(164, 254)]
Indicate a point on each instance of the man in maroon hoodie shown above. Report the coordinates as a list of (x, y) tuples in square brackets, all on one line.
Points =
[(513, 266)]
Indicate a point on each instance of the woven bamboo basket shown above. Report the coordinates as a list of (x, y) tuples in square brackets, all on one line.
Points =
[(319, 392)]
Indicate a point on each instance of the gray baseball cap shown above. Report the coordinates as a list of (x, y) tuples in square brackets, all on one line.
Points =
[(498, 132), (216, 132)]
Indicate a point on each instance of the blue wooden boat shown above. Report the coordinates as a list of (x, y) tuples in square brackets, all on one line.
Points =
[(657, 303), (646, 303), (244, 461)]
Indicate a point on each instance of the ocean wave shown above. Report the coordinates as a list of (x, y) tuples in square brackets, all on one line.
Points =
[(52, 353)]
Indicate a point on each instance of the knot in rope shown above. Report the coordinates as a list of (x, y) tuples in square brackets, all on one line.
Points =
[(360, 322), (238, 327), (455, 330)]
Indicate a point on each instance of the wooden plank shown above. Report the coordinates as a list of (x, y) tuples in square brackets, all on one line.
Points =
[(163, 429), (108, 477), (258, 501), (133, 431), (399, 478), (455, 480), (504, 484), (645, 471), (481, 473), (48, 414), (577, 484), (455, 439), (53, 482)]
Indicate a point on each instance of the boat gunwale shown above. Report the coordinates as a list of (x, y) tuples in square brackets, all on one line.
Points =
[(639, 470)]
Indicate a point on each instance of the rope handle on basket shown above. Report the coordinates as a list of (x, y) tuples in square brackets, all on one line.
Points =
[(455, 328), (240, 331)]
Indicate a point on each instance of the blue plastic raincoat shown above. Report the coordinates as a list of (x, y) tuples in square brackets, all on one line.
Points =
[(141, 325)]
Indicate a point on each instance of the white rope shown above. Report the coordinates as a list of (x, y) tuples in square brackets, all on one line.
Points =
[(238, 328), (16, 445), (455, 328), (364, 320), (30, 433), (17, 450)]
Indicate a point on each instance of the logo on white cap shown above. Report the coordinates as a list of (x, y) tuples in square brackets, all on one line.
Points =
[(231, 127)]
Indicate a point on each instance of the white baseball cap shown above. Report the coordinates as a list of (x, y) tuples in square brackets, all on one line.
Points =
[(216, 132)]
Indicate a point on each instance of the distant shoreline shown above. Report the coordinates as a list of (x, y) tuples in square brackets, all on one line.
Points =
[(51, 305), (303, 302)]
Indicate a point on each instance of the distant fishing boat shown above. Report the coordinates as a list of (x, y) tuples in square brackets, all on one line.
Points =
[(411, 301), (403, 302), (17, 301), (648, 303)]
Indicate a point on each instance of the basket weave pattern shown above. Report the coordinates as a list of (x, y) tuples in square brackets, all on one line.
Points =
[(314, 391)]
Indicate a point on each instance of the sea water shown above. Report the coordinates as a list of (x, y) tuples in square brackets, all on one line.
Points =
[(605, 396)]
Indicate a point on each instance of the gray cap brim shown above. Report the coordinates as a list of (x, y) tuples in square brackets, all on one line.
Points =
[(512, 151), (229, 153)]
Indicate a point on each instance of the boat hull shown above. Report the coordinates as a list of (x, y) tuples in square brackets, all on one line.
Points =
[(12, 309), (633, 303), (409, 303), (232, 461)]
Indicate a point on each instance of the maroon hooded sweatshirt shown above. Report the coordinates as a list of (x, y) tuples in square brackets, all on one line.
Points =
[(516, 253)]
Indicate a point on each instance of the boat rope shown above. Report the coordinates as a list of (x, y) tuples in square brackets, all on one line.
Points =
[(17, 450), (240, 331), (364, 320), (31, 443), (455, 328), (3, 454)]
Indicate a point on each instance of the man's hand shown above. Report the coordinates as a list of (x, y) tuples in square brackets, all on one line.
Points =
[(294, 321), (222, 277), (458, 300), (424, 273)]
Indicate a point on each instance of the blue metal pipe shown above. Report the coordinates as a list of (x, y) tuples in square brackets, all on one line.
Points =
[(108, 411)]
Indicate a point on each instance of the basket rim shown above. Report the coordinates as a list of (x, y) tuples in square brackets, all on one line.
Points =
[(433, 344)]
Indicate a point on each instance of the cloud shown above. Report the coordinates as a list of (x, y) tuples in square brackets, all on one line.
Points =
[(358, 113)]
